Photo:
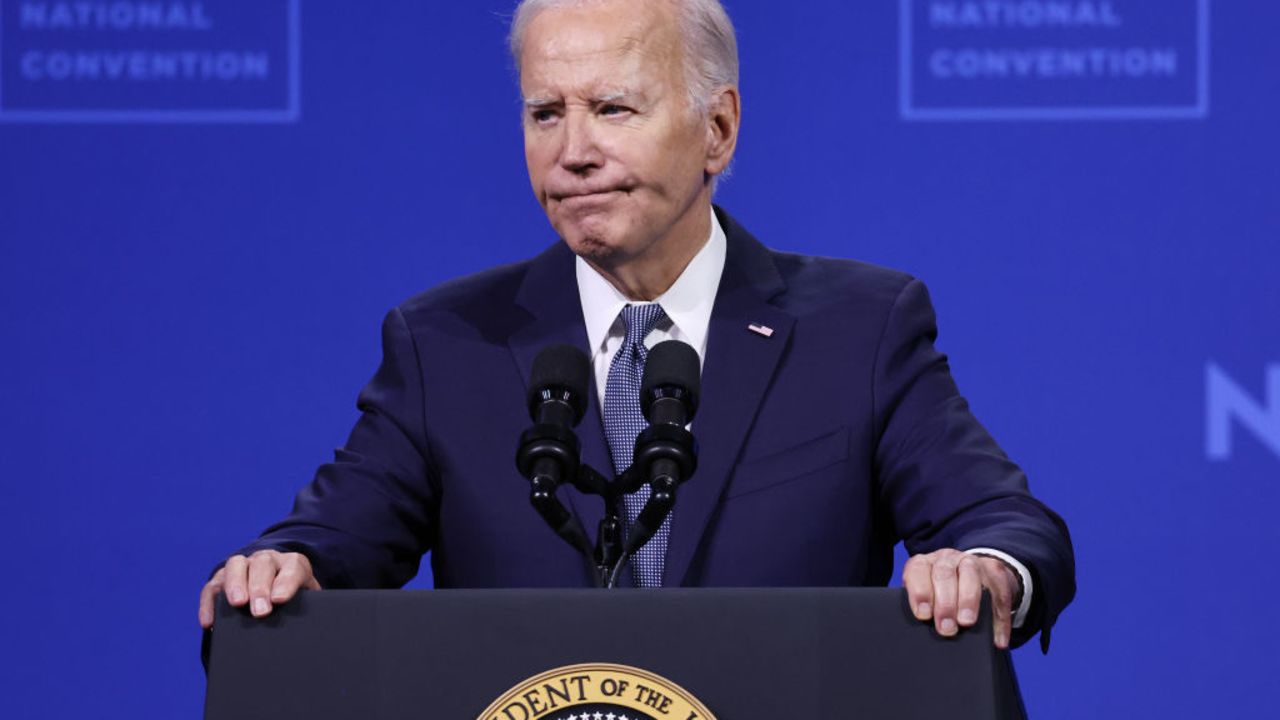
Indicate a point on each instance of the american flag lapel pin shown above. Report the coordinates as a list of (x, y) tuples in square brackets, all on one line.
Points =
[(761, 330)]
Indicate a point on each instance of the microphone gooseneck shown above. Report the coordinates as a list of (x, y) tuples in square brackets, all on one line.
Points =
[(666, 453), (549, 452)]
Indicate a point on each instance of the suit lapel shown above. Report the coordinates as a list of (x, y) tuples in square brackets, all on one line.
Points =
[(549, 293), (738, 370)]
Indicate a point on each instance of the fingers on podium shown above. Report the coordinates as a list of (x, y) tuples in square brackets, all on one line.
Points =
[(294, 575), (263, 580), (263, 568), (208, 595), (916, 578), (945, 592)]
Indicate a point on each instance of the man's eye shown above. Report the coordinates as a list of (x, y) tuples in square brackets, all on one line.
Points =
[(542, 116), (614, 110)]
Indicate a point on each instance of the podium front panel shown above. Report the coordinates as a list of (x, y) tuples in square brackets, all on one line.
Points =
[(747, 654)]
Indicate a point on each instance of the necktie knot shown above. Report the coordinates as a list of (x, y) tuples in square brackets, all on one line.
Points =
[(640, 321)]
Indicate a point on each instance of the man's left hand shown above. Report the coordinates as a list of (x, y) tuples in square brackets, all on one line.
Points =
[(946, 586)]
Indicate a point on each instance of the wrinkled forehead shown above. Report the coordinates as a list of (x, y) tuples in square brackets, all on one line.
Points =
[(597, 48)]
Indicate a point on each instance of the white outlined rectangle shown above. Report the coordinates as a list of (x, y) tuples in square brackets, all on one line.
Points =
[(290, 113), (909, 111)]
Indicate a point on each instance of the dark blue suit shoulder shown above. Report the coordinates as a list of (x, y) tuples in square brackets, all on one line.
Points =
[(823, 282), (483, 306), (488, 287)]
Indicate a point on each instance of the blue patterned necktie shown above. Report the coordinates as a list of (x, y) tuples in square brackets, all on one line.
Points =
[(623, 421)]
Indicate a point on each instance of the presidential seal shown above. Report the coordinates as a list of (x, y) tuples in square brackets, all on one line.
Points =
[(597, 691)]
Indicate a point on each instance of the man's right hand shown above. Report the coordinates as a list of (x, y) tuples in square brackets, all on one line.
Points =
[(261, 581)]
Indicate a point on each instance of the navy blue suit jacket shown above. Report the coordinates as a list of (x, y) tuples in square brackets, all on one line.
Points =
[(820, 447)]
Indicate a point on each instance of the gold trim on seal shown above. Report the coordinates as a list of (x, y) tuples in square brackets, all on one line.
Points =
[(554, 691)]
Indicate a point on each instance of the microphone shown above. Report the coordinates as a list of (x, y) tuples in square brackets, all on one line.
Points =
[(666, 453), (671, 385), (549, 452), (558, 386)]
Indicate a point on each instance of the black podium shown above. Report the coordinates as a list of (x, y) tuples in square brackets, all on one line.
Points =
[(746, 654)]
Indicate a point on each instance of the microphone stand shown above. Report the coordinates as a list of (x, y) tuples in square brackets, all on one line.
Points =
[(665, 456), (658, 457), (608, 548), (548, 453)]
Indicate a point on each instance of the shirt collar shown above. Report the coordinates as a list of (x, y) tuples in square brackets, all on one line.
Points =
[(688, 302)]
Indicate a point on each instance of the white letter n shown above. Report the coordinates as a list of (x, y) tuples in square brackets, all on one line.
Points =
[(1225, 400)]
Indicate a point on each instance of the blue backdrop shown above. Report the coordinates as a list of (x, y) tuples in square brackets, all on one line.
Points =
[(206, 208)]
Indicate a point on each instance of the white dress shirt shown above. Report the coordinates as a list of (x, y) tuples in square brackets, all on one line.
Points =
[(687, 304)]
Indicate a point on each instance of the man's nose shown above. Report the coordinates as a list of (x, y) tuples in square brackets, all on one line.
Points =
[(581, 151)]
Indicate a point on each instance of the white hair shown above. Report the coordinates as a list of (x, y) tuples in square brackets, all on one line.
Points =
[(711, 47)]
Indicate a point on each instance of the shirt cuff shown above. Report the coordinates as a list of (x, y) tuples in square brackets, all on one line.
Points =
[(1019, 613)]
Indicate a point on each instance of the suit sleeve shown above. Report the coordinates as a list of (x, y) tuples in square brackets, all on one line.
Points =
[(368, 517), (943, 478)]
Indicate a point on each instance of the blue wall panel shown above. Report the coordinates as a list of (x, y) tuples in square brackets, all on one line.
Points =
[(189, 303)]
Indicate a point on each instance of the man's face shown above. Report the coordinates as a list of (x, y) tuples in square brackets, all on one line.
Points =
[(616, 156)]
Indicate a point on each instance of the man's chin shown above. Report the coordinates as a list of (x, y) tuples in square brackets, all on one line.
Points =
[(590, 238), (592, 248)]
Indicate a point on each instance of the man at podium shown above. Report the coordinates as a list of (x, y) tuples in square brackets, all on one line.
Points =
[(830, 427)]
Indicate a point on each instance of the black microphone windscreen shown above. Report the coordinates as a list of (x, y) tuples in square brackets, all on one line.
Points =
[(562, 368), (673, 364)]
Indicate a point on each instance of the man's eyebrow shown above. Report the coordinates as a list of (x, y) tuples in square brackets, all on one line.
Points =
[(601, 98), (612, 96)]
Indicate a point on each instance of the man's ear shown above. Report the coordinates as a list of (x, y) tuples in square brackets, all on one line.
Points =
[(724, 116)]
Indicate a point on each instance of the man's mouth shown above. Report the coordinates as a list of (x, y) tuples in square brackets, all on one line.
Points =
[(588, 195)]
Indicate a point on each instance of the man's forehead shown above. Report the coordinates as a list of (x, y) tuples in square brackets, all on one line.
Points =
[(624, 71), (617, 54), (619, 38), (589, 26), (569, 44)]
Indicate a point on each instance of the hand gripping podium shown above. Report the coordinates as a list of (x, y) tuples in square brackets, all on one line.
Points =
[(744, 654)]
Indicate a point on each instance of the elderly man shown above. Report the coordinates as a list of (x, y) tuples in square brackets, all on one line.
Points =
[(830, 428)]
